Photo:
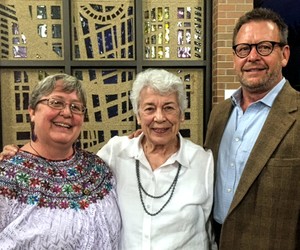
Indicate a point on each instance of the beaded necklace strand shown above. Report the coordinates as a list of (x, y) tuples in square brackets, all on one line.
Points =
[(141, 189)]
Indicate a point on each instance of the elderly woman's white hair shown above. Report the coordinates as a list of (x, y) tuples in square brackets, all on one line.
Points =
[(162, 82)]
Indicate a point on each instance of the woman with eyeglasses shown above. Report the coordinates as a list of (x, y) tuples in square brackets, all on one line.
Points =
[(52, 194)]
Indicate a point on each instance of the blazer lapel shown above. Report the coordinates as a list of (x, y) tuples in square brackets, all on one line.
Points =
[(271, 135), (216, 126)]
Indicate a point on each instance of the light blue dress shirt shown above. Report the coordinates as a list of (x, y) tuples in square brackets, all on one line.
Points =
[(238, 139)]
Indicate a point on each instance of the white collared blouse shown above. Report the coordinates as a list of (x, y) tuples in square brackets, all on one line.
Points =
[(184, 222)]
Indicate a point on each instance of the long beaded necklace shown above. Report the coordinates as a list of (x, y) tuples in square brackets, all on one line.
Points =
[(141, 189)]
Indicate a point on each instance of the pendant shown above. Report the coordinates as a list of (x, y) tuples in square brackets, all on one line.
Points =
[(86, 192)]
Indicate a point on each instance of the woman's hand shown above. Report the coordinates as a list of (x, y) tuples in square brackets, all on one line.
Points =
[(8, 151), (135, 134)]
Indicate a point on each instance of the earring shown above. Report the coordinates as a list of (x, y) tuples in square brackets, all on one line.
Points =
[(33, 135), (77, 143)]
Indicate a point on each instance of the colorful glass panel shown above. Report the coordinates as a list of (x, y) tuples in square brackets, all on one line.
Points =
[(173, 31), (103, 29), (31, 30)]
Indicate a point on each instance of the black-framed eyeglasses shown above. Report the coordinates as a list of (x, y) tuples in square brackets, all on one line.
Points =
[(76, 108), (263, 48)]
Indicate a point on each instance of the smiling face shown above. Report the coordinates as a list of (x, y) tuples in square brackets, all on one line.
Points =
[(259, 74), (159, 117), (57, 127)]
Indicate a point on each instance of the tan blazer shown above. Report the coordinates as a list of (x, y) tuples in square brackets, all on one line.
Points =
[(265, 211)]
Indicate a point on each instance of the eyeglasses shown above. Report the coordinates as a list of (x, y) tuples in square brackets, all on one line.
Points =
[(76, 108), (263, 48)]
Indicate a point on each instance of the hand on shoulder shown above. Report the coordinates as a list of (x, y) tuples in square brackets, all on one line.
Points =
[(135, 134), (8, 151)]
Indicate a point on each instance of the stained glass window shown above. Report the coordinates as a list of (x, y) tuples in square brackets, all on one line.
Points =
[(31, 30), (173, 31), (107, 29), (105, 44)]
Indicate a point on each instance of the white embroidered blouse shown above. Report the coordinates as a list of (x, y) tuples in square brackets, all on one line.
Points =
[(67, 204)]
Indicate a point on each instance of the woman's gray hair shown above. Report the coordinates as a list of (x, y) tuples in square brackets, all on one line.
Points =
[(47, 85), (162, 82)]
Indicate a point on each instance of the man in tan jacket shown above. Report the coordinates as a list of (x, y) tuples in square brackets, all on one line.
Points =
[(255, 138)]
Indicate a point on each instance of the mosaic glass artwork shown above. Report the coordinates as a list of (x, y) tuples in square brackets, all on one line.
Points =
[(103, 29), (34, 30), (109, 111), (31, 30), (173, 30)]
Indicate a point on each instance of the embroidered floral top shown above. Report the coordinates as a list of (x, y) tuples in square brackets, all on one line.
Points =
[(69, 204)]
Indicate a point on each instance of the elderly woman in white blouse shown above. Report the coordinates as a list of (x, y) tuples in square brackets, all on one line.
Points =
[(164, 182)]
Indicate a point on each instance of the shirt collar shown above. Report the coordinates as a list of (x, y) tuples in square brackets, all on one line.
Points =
[(267, 99), (136, 151), (180, 156)]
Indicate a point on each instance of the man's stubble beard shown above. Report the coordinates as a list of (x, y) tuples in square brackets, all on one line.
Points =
[(264, 84)]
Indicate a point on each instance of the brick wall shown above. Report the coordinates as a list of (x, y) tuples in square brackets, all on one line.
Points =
[(225, 15)]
